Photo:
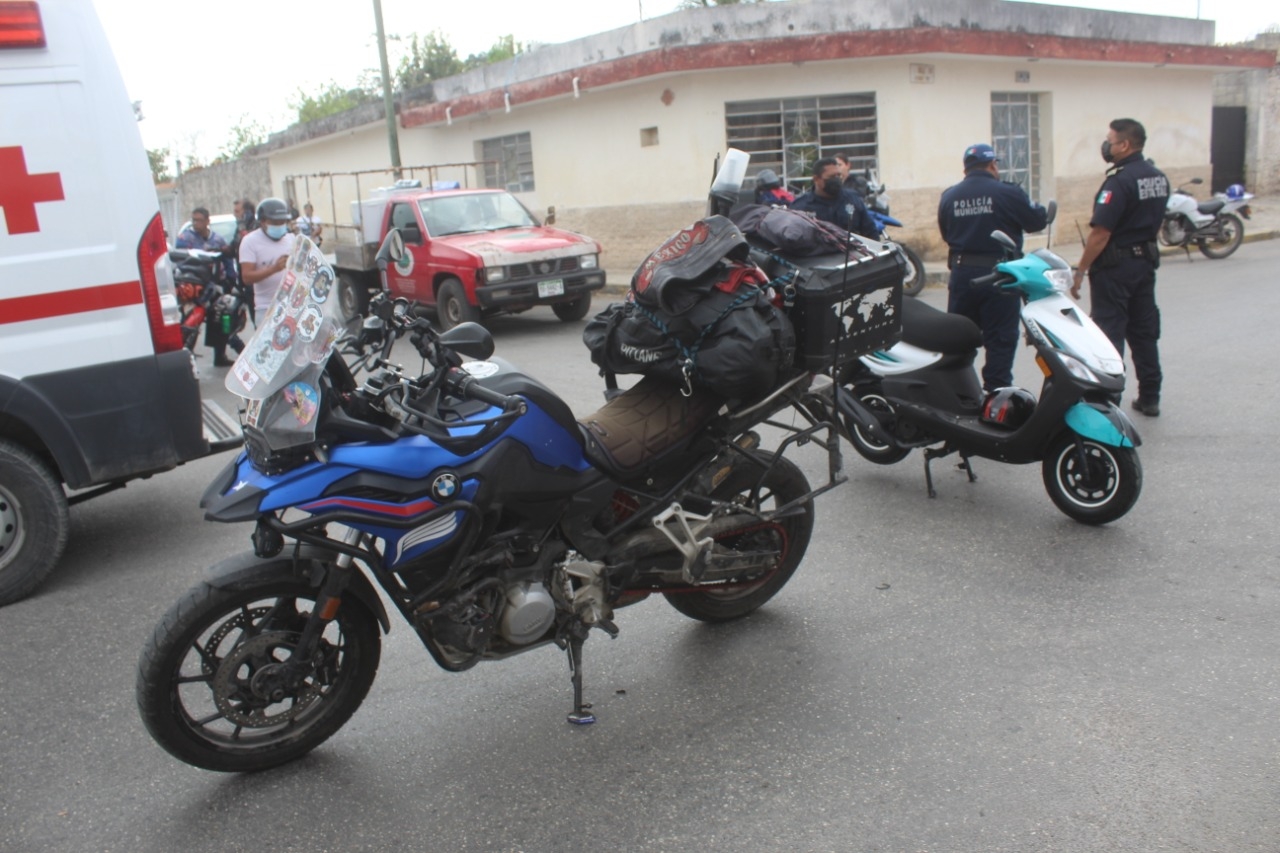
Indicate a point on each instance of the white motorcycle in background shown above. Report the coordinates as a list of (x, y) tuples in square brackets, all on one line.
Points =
[(1213, 226)]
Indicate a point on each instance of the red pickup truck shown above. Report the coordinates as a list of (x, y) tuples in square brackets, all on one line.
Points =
[(471, 253)]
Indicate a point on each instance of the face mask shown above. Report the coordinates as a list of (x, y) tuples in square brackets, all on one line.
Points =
[(275, 232), (831, 186), (1106, 151)]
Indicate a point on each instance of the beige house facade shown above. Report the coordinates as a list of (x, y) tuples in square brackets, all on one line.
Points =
[(619, 131)]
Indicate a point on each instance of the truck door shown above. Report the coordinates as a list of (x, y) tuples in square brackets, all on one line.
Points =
[(411, 272)]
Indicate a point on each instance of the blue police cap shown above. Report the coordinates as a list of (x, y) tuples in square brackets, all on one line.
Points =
[(979, 155)]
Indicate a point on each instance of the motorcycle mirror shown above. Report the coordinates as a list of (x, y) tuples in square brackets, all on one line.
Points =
[(391, 250), (728, 182), (469, 339), (1051, 212)]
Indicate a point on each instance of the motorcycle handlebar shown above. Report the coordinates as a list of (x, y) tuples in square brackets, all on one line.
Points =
[(465, 385)]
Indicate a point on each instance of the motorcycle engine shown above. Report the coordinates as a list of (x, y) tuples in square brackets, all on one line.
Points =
[(527, 614), (1173, 232)]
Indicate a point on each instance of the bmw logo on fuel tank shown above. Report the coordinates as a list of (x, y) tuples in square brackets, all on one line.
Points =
[(444, 486)]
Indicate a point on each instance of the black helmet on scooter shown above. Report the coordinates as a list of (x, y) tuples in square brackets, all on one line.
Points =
[(768, 179), (1008, 408)]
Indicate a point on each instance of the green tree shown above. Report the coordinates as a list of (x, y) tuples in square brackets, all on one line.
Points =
[(506, 47), (329, 100), (159, 160), (429, 58), (245, 134)]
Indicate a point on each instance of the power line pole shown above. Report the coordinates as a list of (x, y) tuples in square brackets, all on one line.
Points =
[(393, 137)]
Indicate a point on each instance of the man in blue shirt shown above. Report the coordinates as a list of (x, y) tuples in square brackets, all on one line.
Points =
[(967, 214), (831, 202)]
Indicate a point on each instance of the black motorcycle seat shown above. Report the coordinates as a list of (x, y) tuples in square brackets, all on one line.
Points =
[(1213, 205), (937, 331), (643, 423)]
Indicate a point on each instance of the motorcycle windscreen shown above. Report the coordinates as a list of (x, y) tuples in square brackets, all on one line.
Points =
[(278, 372)]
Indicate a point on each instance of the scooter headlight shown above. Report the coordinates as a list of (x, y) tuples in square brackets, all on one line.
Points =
[(1059, 280), (1078, 369)]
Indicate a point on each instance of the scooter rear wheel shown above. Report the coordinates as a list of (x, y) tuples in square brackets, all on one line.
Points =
[(1093, 483), (869, 447)]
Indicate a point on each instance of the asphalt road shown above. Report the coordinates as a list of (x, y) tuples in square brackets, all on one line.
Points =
[(971, 673)]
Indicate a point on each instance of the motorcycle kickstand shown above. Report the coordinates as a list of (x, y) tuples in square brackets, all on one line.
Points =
[(581, 715), (929, 455), (966, 466)]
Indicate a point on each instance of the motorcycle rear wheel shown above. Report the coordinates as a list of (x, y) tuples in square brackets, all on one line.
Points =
[(783, 483), (1099, 489), (914, 280), (207, 683), (1232, 236)]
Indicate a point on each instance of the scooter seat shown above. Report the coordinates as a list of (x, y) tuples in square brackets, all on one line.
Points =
[(1211, 206), (937, 331), (643, 423)]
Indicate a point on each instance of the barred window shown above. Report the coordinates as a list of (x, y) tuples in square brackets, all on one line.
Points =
[(790, 135), (1015, 134), (509, 162)]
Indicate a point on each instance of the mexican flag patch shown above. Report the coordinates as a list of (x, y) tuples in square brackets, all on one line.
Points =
[(1104, 197)]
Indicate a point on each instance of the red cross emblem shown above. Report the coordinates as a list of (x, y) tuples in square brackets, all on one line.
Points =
[(20, 191)]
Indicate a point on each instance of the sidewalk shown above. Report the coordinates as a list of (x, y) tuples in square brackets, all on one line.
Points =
[(1263, 224)]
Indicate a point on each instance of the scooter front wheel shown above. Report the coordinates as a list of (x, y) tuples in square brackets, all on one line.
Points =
[(1091, 482)]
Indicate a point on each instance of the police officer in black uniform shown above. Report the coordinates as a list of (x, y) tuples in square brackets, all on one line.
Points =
[(831, 202), (967, 214), (1121, 256)]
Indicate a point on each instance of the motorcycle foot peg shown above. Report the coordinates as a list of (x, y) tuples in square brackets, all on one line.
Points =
[(582, 717)]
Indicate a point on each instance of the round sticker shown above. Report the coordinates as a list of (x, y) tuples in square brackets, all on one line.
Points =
[(481, 369), (404, 266), (282, 337), (322, 285), (309, 322), (305, 401)]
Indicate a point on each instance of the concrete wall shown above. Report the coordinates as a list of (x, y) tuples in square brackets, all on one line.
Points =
[(216, 188), (1258, 91)]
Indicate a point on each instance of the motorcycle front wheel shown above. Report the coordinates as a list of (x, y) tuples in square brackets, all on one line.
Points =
[(1232, 235), (213, 688), (783, 483), (1092, 483)]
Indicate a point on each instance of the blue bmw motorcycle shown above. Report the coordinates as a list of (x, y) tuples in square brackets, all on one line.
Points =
[(493, 519)]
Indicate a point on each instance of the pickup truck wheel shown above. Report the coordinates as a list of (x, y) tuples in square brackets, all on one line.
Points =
[(575, 310), (33, 521), (452, 307), (353, 295)]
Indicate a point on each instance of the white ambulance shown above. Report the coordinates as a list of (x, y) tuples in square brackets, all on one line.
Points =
[(95, 387)]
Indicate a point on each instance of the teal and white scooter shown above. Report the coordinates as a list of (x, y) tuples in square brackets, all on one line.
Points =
[(926, 393)]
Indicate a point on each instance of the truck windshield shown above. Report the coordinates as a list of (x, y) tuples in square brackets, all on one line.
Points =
[(459, 214)]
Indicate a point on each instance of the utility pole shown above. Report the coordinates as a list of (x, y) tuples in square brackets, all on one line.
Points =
[(393, 138)]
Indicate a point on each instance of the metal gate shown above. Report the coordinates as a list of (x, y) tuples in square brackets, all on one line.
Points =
[(1226, 147)]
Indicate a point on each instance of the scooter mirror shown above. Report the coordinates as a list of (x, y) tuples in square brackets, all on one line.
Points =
[(1051, 212), (1004, 240)]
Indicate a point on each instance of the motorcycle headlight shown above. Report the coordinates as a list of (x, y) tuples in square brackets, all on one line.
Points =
[(588, 262), (1059, 280), (1078, 369), (493, 275)]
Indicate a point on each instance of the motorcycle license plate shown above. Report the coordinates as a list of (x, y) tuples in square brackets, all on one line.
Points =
[(554, 287)]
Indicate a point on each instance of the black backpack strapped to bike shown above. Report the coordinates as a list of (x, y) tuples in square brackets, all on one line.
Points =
[(698, 315)]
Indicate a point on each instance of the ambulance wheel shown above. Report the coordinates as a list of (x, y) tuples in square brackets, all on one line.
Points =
[(575, 310), (33, 521), (452, 307)]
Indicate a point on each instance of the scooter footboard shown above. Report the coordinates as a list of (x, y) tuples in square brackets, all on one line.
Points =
[(1104, 423)]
